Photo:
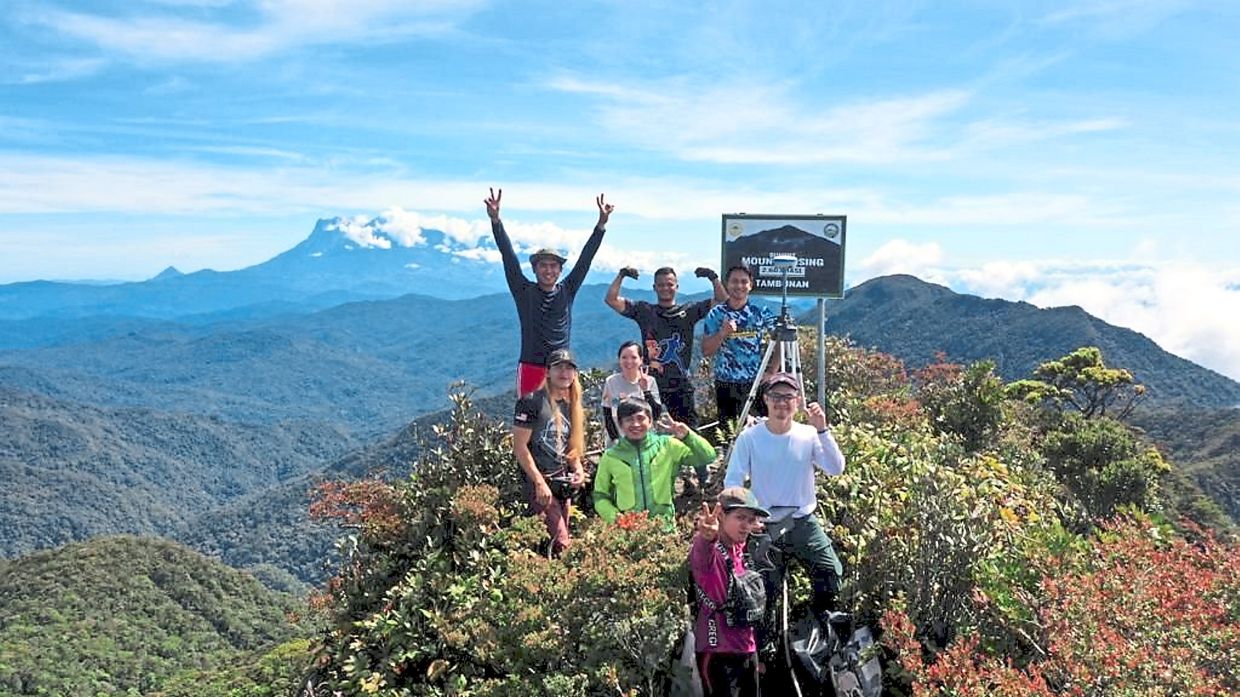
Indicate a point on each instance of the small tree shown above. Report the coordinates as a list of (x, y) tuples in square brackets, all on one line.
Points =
[(965, 401), (1081, 381)]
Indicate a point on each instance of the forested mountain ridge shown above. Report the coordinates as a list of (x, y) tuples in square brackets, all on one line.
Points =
[(72, 471), (120, 613), (1206, 442), (913, 320), (273, 527)]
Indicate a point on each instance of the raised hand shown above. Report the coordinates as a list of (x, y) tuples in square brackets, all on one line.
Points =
[(817, 417), (492, 204), (630, 272), (679, 429), (604, 210), (707, 522), (705, 272)]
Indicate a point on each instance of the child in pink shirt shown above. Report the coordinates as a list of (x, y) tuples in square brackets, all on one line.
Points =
[(726, 650)]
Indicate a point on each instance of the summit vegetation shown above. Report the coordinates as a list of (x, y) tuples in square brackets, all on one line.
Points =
[(1002, 537)]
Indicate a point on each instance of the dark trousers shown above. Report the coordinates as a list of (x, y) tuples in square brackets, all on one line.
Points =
[(728, 674), (678, 398), (730, 398), (806, 541)]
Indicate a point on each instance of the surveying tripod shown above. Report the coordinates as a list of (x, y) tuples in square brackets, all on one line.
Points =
[(783, 336)]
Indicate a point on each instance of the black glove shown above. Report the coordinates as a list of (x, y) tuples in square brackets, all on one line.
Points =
[(629, 271), (705, 272)]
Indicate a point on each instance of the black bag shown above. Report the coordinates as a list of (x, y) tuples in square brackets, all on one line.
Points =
[(561, 487), (745, 603), (838, 655)]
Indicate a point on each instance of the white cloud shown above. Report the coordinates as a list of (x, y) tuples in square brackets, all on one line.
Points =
[(992, 132), (282, 24), (486, 254), (1117, 18), (52, 70), (1187, 308), (407, 226), (902, 256), (362, 232), (997, 279), (762, 122)]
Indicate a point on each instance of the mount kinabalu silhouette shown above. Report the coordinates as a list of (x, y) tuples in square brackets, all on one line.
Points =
[(340, 261)]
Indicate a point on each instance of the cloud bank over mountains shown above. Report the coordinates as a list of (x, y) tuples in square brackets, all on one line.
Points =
[(1187, 307)]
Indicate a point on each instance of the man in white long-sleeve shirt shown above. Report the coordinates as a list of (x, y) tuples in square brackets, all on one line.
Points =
[(778, 457)]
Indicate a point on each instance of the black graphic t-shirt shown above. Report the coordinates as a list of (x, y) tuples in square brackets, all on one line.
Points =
[(546, 317), (667, 333), (549, 440)]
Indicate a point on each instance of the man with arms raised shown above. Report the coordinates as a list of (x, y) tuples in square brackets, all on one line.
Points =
[(544, 307), (778, 457), (667, 334)]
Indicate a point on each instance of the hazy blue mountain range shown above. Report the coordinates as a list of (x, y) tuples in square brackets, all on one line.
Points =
[(371, 366), (327, 268)]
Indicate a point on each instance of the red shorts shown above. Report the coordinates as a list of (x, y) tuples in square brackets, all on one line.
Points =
[(529, 377)]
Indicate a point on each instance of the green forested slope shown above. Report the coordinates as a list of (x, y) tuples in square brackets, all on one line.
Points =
[(1206, 443), (72, 471), (121, 613)]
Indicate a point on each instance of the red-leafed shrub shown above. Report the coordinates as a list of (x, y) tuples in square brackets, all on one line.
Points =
[(1141, 612), (1148, 615)]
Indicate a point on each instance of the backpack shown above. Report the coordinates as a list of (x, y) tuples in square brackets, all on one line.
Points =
[(745, 602), (838, 655)]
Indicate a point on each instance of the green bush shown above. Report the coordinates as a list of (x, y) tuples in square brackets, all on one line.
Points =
[(954, 502), (1104, 464)]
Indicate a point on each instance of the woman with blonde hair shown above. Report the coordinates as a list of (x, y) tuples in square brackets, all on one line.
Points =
[(548, 439)]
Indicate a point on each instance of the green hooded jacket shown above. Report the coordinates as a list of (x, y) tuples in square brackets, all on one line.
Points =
[(643, 479)]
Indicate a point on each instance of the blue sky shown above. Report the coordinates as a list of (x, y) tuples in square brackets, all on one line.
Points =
[(1061, 153)]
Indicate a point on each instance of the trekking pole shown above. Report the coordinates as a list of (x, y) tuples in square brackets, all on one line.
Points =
[(792, 675)]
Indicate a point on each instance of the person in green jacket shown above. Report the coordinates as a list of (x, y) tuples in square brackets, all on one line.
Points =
[(638, 472)]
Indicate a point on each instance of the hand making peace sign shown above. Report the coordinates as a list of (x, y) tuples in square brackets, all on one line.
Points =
[(707, 521)]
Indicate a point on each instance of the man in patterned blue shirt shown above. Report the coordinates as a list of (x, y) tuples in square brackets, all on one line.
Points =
[(734, 333)]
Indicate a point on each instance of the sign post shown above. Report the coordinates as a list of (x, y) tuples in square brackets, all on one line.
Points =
[(817, 242)]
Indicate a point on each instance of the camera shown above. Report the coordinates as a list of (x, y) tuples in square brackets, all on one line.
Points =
[(561, 486)]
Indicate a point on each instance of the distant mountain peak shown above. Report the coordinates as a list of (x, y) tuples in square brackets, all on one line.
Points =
[(170, 272), (900, 288), (341, 234)]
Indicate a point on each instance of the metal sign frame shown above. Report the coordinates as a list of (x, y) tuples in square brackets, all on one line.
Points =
[(817, 240)]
